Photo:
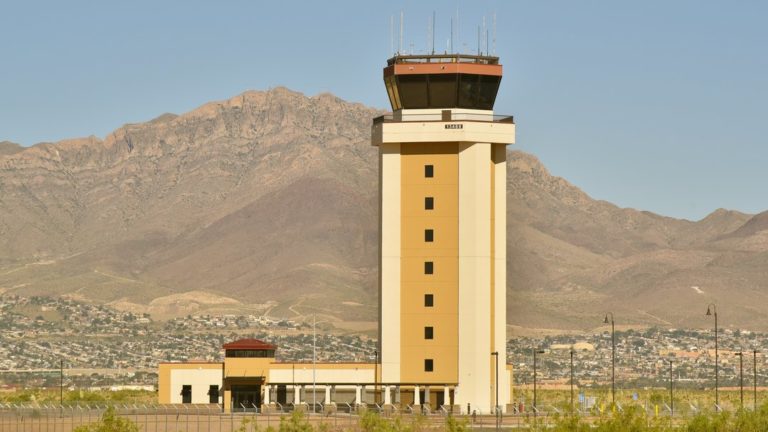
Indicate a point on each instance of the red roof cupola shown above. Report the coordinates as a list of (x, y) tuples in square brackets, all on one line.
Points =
[(249, 344)]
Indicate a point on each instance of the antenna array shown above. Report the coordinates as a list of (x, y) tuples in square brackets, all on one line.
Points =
[(486, 37)]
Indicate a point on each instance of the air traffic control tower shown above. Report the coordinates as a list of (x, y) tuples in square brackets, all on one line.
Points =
[(442, 288)]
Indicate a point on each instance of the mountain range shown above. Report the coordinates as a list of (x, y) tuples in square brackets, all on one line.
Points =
[(267, 203)]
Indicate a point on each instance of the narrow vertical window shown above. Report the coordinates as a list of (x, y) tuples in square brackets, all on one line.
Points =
[(429, 171), (429, 235), (429, 300), (213, 394), (186, 394), (429, 203), (429, 332), (429, 365), (429, 267)]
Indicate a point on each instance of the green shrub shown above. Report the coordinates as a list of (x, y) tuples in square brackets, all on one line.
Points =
[(110, 422), (296, 423)]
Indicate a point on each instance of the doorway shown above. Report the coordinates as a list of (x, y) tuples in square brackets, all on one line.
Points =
[(246, 398)]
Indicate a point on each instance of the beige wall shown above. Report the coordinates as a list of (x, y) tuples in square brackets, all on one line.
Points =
[(349, 373), (499, 273), (435, 132), (474, 275), (171, 376), (389, 274)]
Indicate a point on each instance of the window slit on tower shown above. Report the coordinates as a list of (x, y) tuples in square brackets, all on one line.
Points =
[(429, 267), (429, 171)]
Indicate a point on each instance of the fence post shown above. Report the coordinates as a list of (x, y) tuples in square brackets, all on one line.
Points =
[(186, 416)]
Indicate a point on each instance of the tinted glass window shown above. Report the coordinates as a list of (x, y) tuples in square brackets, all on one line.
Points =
[(413, 91), (429, 333), (429, 365), (469, 86), (429, 203), (429, 267), (429, 171), (489, 86), (429, 235), (442, 90)]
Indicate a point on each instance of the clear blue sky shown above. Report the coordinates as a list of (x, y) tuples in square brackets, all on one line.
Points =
[(658, 105)]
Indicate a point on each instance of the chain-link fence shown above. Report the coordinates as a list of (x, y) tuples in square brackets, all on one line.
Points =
[(199, 418), (187, 417)]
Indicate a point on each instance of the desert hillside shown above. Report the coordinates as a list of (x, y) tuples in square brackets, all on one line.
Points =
[(266, 202)]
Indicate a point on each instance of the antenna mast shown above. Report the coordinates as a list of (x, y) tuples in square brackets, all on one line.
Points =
[(429, 35), (485, 31), (494, 32), (458, 38), (401, 33), (434, 15), (478, 41), (392, 35)]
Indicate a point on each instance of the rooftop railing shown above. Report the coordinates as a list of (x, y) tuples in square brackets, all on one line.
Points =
[(441, 117), (443, 58)]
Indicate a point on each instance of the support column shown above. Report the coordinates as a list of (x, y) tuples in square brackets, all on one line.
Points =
[(416, 396), (296, 394), (358, 395), (426, 396), (446, 396), (387, 396), (267, 390), (327, 394)]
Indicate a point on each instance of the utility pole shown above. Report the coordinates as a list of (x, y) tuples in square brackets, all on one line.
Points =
[(535, 351), (741, 379), (671, 393), (61, 382), (571, 380), (314, 363), (613, 357), (712, 310), (496, 410), (754, 381)]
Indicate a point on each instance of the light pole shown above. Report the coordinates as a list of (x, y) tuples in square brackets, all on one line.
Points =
[(61, 384), (496, 410), (712, 310), (376, 377), (314, 363), (741, 378), (571, 380), (754, 380), (535, 351), (671, 393), (613, 356)]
